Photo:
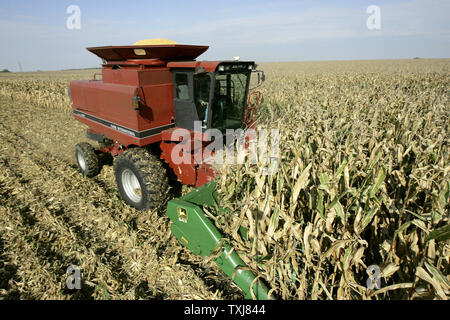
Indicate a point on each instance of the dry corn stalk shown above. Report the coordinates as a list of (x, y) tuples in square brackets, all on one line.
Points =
[(363, 180)]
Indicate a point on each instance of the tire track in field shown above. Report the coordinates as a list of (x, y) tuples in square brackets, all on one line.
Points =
[(31, 278), (86, 237), (51, 239), (8, 272), (133, 219), (206, 273), (18, 142)]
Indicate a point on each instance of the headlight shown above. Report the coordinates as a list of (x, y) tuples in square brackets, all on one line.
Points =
[(221, 68)]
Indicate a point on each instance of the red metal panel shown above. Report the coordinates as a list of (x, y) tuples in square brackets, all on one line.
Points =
[(163, 52), (168, 135), (136, 62), (120, 76), (111, 102), (184, 64), (154, 76), (205, 174), (188, 173), (115, 135), (157, 93), (158, 110), (210, 66), (77, 93)]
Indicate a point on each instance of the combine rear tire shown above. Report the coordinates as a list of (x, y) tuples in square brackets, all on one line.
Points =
[(141, 179), (87, 159)]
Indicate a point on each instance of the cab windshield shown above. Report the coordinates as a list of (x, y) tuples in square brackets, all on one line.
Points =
[(228, 103)]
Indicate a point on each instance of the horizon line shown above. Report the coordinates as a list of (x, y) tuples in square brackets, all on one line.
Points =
[(284, 61)]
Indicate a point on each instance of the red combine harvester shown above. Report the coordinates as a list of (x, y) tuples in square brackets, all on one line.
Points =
[(146, 92)]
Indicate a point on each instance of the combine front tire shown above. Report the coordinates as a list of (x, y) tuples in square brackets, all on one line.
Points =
[(87, 159), (141, 179)]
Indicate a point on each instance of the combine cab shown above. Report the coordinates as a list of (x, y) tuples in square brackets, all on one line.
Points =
[(147, 92)]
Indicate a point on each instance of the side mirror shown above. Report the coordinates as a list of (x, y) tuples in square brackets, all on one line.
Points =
[(261, 77)]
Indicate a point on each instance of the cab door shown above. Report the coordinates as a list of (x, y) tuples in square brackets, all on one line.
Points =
[(183, 99)]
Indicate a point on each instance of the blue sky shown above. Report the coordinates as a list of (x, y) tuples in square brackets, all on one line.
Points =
[(34, 33)]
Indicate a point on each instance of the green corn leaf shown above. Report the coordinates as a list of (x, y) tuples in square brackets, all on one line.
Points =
[(319, 203), (339, 210), (374, 161), (231, 188), (347, 257), (368, 217), (340, 169), (440, 234), (418, 223), (378, 181), (273, 222), (437, 274)]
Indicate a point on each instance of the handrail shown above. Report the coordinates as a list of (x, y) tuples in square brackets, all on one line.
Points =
[(249, 119)]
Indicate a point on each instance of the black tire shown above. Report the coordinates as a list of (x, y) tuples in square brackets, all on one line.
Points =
[(141, 179), (87, 159)]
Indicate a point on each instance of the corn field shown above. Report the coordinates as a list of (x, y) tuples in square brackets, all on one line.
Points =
[(362, 184)]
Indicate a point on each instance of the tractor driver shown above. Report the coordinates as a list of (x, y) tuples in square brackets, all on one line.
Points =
[(202, 84), (219, 106)]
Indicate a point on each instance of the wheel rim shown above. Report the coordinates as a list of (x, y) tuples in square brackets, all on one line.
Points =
[(131, 185), (81, 161)]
